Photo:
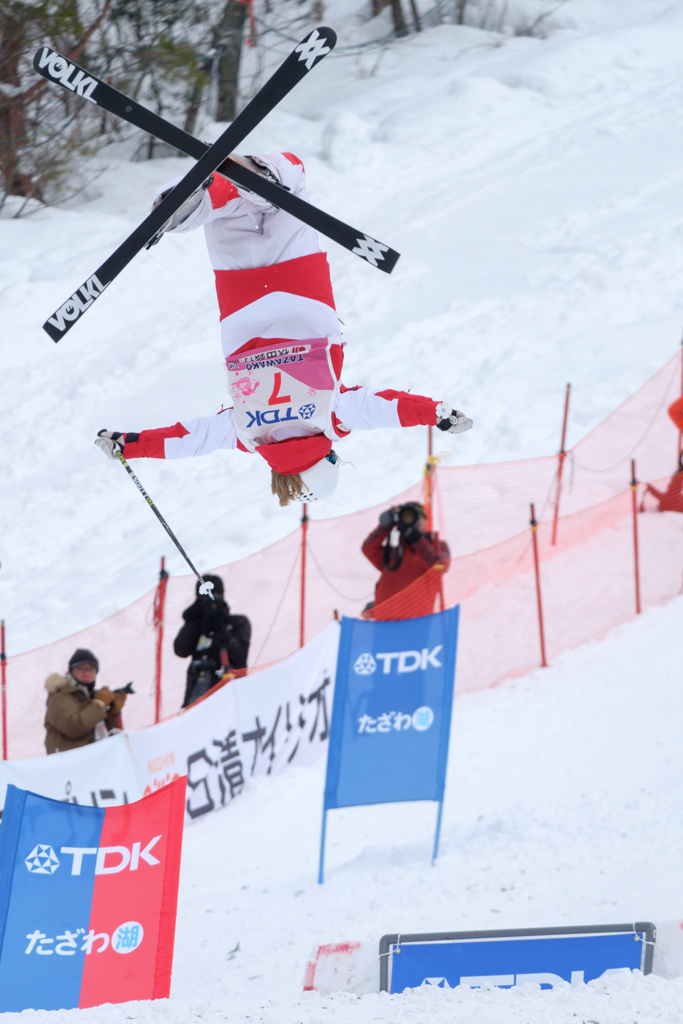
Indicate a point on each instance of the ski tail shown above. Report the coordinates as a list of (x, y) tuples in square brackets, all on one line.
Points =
[(57, 68), (52, 65)]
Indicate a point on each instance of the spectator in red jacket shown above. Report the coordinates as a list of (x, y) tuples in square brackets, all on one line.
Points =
[(670, 500), (403, 551)]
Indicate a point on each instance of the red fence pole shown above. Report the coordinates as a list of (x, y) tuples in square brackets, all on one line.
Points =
[(159, 601), (302, 605), (534, 542), (3, 671), (680, 433), (561, 458), (634, 503), (429, 488)]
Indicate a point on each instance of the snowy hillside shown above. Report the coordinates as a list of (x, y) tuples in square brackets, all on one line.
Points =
[(534, 188), (561, 808)]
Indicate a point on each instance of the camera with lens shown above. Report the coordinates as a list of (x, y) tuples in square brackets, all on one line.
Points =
[(402, 517), (405, 518), (203, 673), (215, 612)]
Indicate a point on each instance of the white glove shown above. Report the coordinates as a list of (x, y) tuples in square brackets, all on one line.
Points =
[(451, 420), (111, 442), (184, 211)]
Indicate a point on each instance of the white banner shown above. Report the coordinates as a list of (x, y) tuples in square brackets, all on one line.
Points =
[(253, 726), (99, 775)]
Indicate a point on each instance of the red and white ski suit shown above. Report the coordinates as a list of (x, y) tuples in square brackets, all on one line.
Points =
[(281, 340)]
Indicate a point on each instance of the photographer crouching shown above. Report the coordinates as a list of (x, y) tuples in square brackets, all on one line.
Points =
[(217, 641), (402, 549)]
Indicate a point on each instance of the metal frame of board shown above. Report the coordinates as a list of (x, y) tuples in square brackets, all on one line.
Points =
[(397, 939)]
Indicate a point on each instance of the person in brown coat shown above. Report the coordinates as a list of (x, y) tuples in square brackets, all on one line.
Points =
[(75, 708)]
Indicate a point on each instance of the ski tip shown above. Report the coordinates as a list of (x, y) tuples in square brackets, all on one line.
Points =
[(376, 253), (329, 35), (391, 259), (316, 45)]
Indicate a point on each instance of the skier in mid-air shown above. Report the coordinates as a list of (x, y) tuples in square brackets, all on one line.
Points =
[(281, 343)]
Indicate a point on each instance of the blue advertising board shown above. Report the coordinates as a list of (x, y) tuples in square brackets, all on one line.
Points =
[(391, 716), (545, 956)]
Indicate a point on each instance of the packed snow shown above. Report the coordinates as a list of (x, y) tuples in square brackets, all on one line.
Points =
[(535, 189), (561, 808)]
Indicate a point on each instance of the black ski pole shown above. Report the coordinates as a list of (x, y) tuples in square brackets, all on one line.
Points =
[(205, 588)]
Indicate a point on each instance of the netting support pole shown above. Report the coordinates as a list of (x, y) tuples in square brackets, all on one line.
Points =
[(680, 433), (159, 602), (537, 570), (302, 603), (3, 672), (429, 470), (634, 506), (560, 464)]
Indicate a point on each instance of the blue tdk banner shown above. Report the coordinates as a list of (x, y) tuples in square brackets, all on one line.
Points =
[(391, 716), (515, 959)]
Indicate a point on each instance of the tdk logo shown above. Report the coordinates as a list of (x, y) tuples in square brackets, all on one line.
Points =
[(59, 69), (78, 303), (42, 860), (270, 416), (408, 661), (109, 860)]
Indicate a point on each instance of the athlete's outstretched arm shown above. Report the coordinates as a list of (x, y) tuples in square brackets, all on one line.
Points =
[(181, 441), (363, 408)]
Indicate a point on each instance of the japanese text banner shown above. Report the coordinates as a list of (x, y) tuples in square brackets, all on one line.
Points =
[(257, 725), (99, 774), (87, 900)]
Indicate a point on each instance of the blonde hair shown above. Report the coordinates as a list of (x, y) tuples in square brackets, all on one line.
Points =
[(286, 487)]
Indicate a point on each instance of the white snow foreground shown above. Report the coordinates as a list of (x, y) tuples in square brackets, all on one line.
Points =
[(562, 807)]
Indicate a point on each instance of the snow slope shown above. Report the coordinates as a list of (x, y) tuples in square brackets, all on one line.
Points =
[(562, 807), (534, 189)]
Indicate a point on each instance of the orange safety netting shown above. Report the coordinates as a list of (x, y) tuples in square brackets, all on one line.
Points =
[(587, 576)]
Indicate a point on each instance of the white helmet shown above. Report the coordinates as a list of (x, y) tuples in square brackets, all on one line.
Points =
[(321, 479)]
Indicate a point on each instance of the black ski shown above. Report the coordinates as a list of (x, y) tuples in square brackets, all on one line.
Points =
[(76, 78), (303, 58)]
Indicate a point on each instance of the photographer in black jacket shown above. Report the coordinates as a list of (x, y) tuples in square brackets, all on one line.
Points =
[(216, 640)]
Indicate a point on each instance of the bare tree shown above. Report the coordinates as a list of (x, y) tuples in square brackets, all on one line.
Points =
[(40, 133), (397, 15), (227, 42)]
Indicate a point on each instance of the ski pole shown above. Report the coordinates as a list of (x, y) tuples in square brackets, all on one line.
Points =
[(205, 588)]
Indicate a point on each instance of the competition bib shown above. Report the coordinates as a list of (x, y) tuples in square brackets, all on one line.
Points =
[(285, 389)]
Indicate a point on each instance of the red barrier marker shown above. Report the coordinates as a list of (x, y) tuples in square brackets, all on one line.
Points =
[(159, 601), (534, 542)]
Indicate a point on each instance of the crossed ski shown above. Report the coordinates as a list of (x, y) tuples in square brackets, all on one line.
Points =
[(56, 68)]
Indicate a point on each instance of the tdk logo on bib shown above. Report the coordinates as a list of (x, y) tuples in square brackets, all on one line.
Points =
[(406, 661)]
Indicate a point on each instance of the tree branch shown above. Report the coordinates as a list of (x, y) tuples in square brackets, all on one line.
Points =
[(73, 53)]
